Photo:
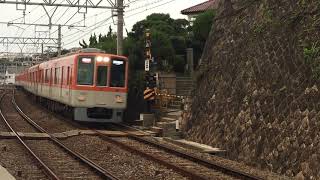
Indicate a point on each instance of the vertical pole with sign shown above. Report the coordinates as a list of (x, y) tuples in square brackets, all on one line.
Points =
[(146, 65), (148, 94)]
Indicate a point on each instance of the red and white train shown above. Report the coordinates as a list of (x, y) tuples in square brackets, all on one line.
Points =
[(90, 84)]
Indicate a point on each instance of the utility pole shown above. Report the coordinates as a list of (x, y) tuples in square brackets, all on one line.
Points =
[(120, 27), (59, 40)]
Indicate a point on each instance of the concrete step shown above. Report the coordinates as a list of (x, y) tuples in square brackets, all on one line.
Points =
[(184, 81), (176, 117), (196, 146), (183, 90), (137, 122), (167, 119), (176, 103), (184, 84), (180, 78), (176, 114), (168, 128), (174, 106), (156, 130), (4, 174), (183, 93)]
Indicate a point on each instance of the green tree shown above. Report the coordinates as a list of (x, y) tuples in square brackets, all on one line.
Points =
[(107, 42), (200, 32), (169, 37)]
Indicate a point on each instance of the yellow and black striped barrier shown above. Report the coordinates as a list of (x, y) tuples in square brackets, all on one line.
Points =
[(149, 94)]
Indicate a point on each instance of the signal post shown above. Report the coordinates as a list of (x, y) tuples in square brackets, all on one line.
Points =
[(150, 84)]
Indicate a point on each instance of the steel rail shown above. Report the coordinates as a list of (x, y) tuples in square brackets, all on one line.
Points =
[(129, 148), (210, 164), (48, 171), (93, 165)]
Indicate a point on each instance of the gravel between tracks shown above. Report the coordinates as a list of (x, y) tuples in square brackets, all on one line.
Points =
[(13, 117), (17, 160), (174, 159), (120, 162), (60, 162), (42, 117), (3, 127)]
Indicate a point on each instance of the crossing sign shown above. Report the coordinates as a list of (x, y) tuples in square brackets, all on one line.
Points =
[(146, 65)]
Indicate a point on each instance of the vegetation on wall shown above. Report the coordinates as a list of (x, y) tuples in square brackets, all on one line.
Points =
[(311, 57)]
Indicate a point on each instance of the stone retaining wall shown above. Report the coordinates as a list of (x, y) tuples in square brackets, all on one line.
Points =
[(258, 96)]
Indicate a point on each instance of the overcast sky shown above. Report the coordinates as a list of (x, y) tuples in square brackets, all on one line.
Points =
[(96, 21)]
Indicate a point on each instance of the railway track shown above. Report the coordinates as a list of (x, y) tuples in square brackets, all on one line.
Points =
[(187, 164), (55, 159), (183, 163)]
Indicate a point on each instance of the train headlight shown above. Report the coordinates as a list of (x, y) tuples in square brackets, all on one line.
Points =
[(106, 59), (119, 99), (81, 98), (99, 59)]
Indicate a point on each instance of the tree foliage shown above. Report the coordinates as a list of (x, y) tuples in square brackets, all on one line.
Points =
[(200, 32), (107, 42)]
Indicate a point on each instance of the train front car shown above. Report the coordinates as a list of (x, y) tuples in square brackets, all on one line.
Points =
[(100, 87)]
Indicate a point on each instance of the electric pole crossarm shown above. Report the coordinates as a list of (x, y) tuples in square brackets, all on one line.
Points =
[(32, 24), (67, 3), (26, 40)]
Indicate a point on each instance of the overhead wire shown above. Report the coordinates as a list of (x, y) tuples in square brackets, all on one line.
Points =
[(105, 12), (73, 33), (89, 31), (131, 15), (32, 23)]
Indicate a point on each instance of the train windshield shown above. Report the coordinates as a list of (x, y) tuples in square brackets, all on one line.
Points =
[(118, 73), (102, 73), (85, 71)]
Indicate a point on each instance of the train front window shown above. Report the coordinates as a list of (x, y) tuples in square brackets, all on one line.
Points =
[(102, 73), (85, 71), (118, 72)]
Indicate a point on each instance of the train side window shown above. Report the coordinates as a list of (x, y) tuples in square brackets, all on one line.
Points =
[(61, 77), (40, 76), (45, 76), (56, 79), (46, 80), (68, 74), (51, 76), (70, 82)]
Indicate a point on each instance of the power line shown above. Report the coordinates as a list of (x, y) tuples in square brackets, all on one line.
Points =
[(89, 31), (157, 1), (30, 25), (131, 15)]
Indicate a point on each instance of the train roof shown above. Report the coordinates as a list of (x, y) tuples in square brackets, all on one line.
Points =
[(83, 52)]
